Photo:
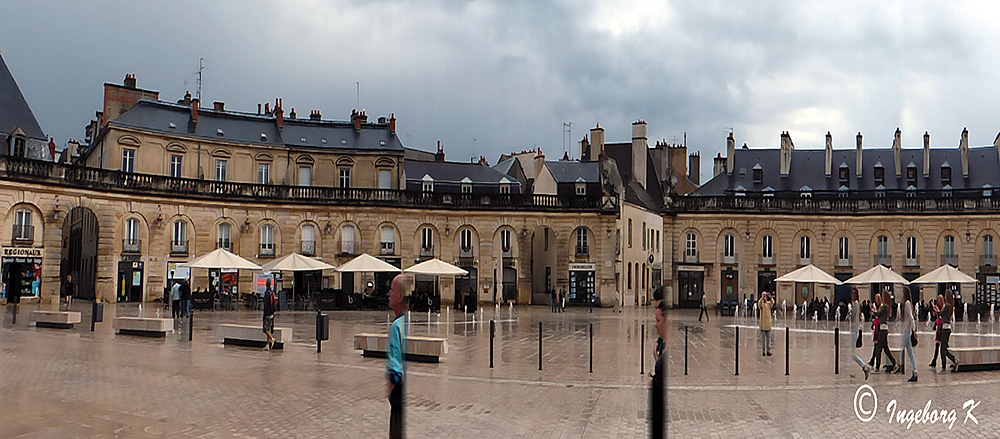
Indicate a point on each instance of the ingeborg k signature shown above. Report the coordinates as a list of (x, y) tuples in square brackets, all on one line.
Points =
[(925, 415)]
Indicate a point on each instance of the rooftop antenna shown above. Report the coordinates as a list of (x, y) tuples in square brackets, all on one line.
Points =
[(567, 135), (201, 66), (359, 94)]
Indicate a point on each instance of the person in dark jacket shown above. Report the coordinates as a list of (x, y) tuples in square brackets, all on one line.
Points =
[(185, 298), (657, 390), (268, 320), (68, 290), (882, 345), (945, 315)]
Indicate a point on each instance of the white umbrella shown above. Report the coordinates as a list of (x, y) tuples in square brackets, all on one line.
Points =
[(879, 274), (435, 266), (945, 274), (220, 258), (296, 262), (809, 274), (368, 263)]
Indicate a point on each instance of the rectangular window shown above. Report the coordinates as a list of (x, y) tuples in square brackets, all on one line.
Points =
[(765, 247), (176, 165), (221, 170), (19, 150), (911, 175), (504, 188), (347, 240), (466, 188), (345, 178), (581, 189), (630, 233), (643, 235), (949, 246), (845, 252), (883, 246), (128, 160), (23, 231), (691, 246), (945, 175), (505, 240), (581, 242), (805, 252), (729, 246), (911, 247), (427, 238), (385, 179), (988, 246), (428, 186), (263, 173), (467, 239), (305, 175)]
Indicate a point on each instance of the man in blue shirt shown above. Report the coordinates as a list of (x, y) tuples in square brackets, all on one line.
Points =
[(395, 369)]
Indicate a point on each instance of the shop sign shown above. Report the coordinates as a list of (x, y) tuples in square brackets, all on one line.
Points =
[(22, 252), (582, 267)]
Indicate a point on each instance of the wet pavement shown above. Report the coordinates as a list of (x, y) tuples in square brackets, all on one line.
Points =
[(77, 383)]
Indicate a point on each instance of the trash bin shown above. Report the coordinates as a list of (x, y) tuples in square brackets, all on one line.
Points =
[(98, 312)]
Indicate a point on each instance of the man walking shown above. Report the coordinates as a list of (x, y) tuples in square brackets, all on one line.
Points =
[(175, 300), (268, 322), (395, 369), (704, 308), (67, 292), (658, 395)]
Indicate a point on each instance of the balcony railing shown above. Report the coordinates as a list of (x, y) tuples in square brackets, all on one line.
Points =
[(309, 248), (267, 250), (179, 247), (990, 260), (38, 171), (854, 201), (690, 257), (727, 259), (388, 248), (583, 250), (767, 260), (466, 252), (805, 260), (426, 252), (131, 245), (949, 259), (913, 261), (884, 260), (843, 262), (347, 247), (225, 244), (24, 233)]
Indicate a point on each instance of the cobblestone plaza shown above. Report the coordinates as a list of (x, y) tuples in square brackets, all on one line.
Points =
[(74, 383)]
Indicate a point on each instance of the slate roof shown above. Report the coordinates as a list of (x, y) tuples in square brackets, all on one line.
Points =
[(570, 171), (453, 172), (649, 197), (808, 169), (14, 109), (248, 128)]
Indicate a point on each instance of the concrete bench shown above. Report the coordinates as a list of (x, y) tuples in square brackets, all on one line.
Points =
[(253, 335), (423, 349), (976, 358), (144, 326), (55, 319)]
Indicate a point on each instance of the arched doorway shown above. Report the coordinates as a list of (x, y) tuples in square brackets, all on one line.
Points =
[(544, 250), (79, 251)]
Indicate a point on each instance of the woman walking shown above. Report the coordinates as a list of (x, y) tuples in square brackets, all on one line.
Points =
[(936, 318), (856, 321), (766, 324), (907, 332), (882, 345), (945, 316)]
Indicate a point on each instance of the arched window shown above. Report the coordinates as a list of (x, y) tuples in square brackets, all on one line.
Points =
[(628, 275), (23, 230), (691, 248), (308, 239), (582, 242), (225, 237), (427, 242), (729, 246), (505, 246), (911, 250), (766, 249), (882, 249), (950, 254), (989, 257), (805, 250), (388, 242), (630, 233), (267, 240), (844, 251)]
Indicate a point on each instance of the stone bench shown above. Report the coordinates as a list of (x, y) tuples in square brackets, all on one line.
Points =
[(976, 358), (144, 326), (423, 349), (55, 319), (253, 335)]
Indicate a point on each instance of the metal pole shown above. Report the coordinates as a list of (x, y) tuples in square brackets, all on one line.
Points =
[(13, 320), (685, 350), (836, 350), (642, 350), (319, 343), (737, 351), (93, 315), (539, 345), (191, 325), (591, 348), (492, 332), (786, 351)]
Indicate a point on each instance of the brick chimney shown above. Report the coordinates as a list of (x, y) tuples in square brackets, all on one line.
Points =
[(392, 123), (315, 115), (356, 120), (596, 145), (292, 113), (539, 161), (829, 154), (195, 104), (640, 150), (439, 155), (52, 148), (130, 80), (219, 106), (787, 146), (731, 152), (279, 113), (694, 168), (963, 146), (897, 152), (858, 156), (927, 154)]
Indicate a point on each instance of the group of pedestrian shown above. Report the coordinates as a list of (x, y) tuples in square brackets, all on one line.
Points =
[(907, 332), (180, 299), (942, 312), (558, 300)]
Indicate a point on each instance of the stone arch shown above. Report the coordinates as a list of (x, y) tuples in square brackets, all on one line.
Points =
[(396, 250), (504, 286), (435, 250), (120, 231), (853, 247), (573, 250), (475, 241), (796, 247), (544, 262), (191, 232), (302, 241), (81, 231), (339, 239), (276, 239), (873, 246), (759, 245), (36, 229), (234, 235)]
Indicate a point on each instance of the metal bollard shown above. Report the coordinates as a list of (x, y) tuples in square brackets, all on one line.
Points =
[(591, 348), (539, 345), (13, 320), (492, 333), (322, 329), (737, 351), (836, 351), (685, 350), (642, 348), (786, 351), (191, 325)]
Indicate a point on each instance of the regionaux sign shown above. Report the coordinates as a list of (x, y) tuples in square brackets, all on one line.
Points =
[(22, 252)]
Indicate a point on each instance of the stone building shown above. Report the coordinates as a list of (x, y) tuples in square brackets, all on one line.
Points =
[(768, 211)]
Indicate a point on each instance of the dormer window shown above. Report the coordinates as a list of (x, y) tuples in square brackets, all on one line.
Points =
[(220, 132), (879, 174), (987, 190), (946, 191), (581, 186), (740, 191), (504, 185), (945, 174), (758, 173), (880, 191), (911, 174), (427, 184), (844, 174), (805, 192), (466, 185)]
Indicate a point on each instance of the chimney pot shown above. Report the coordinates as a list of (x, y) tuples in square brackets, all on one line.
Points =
[(392, 123), (315, 115), (130, 80), (292, 113), (219, 106)]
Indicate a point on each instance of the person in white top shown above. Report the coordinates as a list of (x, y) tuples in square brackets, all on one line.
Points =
[(856, 329), (907, 330)]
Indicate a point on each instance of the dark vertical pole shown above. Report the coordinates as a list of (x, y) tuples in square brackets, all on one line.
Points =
[(591, 348), (93, 316), (539, 345), (492, 332), (319, 321), (191, 325), (737, 351), (642, 350), (685, 350), (786, 351), (13, 320), (836, 350)]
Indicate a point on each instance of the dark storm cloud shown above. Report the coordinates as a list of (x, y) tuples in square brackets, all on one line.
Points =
[(487, 77)]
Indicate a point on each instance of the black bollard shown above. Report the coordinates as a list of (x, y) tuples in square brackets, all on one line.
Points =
[(13, 320), (93, 316), (191, 325), (836, 351), (786, 351), (539, 345), (685, 350), (642, 350), (591, 348), (737, 351), (492, 333)]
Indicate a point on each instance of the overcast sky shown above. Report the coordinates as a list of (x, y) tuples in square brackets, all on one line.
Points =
[(492, 77)]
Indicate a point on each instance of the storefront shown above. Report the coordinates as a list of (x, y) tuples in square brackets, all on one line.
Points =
[(223, 281), (130, 281), (690, 282), (581, 284), (21, 271)]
